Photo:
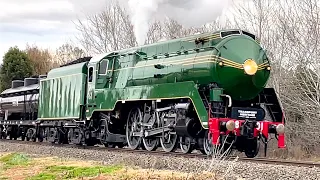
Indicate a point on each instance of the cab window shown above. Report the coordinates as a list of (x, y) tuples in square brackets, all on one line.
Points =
[(103, 67), (90, 74)]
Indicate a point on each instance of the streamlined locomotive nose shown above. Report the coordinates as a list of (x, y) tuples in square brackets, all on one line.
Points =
[(243, 69)]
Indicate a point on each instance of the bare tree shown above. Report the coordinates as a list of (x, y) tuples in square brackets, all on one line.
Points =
[(106, 31), (171, 29), (289, 30), (68, 52), (155, 32), (300, 20), (41, 59), (112, 30)]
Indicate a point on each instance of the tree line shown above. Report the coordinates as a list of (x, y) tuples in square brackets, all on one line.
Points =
[(33, 61)]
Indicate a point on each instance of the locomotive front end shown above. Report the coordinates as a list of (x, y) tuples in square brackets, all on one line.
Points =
[(244, 112), (242, 67)]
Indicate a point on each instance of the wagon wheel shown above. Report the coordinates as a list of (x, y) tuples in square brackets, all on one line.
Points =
[(151, 143), (185, 145), (134, 118)]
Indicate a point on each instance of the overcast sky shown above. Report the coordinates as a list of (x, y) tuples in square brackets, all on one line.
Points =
[(46, 23)]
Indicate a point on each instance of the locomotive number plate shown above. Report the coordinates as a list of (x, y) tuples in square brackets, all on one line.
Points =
[(247, 113)]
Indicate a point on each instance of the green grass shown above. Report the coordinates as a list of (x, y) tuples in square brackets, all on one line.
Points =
[(69, 172), (14, 159), (43, 176)]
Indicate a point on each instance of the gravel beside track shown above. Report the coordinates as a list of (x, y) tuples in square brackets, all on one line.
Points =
[(227, 169)]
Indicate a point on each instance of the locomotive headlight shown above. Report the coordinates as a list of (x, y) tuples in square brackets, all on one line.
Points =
[(230, 125), (280, 128), (250, 67)]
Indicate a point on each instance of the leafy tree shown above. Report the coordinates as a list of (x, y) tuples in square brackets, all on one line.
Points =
[(16, 65)]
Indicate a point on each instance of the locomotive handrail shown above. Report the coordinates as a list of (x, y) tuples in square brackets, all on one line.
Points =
[(229, 98)]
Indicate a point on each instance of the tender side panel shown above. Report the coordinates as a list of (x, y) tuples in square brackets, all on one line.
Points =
[(106, 99), (62, 97)]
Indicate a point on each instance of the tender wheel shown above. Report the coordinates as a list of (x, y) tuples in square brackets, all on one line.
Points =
[(185, 145), (23, 137), (70, 135), (207, 148), (41, 135), (134, 118), (3, 135), (89, 140), (31, 134), (75, 136)]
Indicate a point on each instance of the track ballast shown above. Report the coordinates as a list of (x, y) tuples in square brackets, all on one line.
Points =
[(174, 154)]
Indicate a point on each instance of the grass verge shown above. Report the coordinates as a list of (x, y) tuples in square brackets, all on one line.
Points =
[(72, 172), (31, 167), (14, 159)]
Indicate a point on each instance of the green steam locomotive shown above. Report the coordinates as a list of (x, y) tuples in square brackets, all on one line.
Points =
[(193, 92)]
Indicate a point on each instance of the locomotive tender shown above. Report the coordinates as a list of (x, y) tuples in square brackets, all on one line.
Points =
[(193, 92)]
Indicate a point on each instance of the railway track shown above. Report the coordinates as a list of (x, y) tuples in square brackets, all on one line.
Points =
[(173, 154)]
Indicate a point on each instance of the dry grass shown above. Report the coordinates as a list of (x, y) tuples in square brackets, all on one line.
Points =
[(220, 154), (151, 174), (21, 166), (294, 151)]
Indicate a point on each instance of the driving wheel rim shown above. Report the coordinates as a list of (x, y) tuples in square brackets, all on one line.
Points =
[(134, 118), (207, 144), (172, 145), (187, 146), (150, 143)]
